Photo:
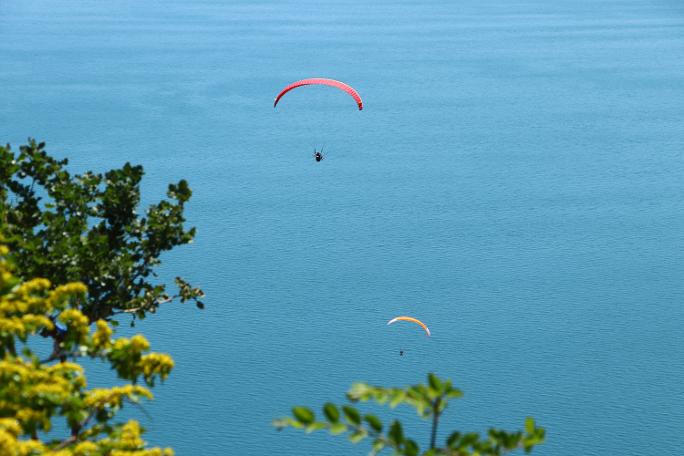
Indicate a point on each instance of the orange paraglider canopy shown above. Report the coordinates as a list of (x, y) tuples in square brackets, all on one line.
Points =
[(322, 81), (413, 320)]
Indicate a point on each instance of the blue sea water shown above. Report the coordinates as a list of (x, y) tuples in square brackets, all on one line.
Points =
[(515, 180)]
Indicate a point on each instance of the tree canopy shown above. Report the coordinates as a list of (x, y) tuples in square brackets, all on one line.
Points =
[(36, 392), (86, 228)]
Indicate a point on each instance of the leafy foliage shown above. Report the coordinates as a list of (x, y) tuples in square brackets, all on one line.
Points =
[(430, 401), (34, 392), (85, 228)]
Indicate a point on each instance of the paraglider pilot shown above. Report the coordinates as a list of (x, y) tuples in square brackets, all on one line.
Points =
[(318, 155)]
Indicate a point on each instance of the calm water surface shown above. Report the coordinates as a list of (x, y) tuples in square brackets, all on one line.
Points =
[(515, 180)]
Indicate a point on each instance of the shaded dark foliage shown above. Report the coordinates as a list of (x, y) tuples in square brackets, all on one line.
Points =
[(86, 228)]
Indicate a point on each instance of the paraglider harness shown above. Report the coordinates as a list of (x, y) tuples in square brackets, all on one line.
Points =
[(318, 155)]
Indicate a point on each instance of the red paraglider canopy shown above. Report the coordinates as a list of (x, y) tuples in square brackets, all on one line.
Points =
[(329, 82)]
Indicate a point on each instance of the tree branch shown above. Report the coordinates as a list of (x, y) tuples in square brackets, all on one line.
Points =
[(435, 422)]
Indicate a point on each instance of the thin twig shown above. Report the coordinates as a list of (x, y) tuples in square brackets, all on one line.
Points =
[(147, 415), (58, 355), (65, 443), (76, 431)]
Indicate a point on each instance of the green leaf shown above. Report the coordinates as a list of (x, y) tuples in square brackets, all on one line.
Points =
[(423, 408), (469, 439), (359, 391), (353, 415), (338, 428), (358, 435), (453, 439), (411, 448), (316, 426), (303, 414), (374, 422), (331, 412), (454, 393), (396, 433), (378, 445), (434, 382), (397, 399), (529, 425)]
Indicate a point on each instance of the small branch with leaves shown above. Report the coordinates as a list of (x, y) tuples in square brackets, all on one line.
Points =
[(430, 401)]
